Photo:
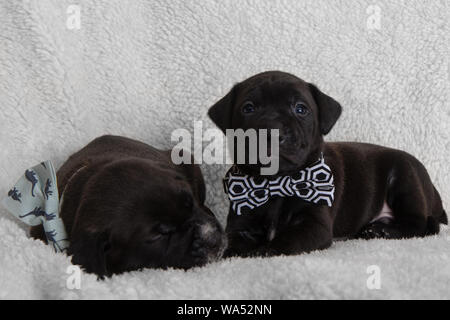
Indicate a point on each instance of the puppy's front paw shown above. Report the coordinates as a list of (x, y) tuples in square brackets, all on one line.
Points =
[(243, 243), (373, 231)]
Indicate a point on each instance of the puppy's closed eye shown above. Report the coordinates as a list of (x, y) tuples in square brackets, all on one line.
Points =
[(159, 232), (153, 238)]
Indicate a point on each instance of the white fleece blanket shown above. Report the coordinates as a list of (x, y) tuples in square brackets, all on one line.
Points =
[(144, 68)]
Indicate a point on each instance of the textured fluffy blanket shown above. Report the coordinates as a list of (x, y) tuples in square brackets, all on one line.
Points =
[(144, 68)]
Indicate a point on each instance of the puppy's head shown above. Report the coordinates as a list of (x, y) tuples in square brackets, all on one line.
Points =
[(137, 214), (278, 100)]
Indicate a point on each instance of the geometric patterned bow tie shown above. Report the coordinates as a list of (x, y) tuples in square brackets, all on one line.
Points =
[(313, 184), (34, 200)]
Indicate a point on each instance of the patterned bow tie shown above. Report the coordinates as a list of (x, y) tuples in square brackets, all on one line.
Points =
[(313, 184), (34, 200)]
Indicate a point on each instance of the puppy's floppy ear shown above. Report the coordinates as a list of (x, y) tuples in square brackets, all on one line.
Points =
[(88, 250), (222, 111), (329, 109)]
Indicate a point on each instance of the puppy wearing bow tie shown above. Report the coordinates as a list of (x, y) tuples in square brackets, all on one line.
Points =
[(322, 190)]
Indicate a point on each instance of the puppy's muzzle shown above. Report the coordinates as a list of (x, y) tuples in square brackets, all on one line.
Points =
[(286, 136), (209, 241)]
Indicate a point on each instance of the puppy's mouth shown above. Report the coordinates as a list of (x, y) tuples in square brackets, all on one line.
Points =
[(208, 244), (289, 159), (288, 162), (287, 156)]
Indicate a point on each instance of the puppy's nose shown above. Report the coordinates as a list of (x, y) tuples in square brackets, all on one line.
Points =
[(208, 238), (209, 234), (283, 136)]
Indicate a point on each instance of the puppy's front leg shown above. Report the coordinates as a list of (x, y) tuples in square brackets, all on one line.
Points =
[(248, 234), (312, 230)]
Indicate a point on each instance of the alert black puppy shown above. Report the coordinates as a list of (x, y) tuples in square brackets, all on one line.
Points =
[(378, 192), (126, 206)]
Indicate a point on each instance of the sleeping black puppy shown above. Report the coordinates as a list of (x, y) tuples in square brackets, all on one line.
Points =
[(126, 206), (322, 190)]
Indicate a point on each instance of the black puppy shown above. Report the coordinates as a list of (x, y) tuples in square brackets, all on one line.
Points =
[(126, 206), (378, 192)]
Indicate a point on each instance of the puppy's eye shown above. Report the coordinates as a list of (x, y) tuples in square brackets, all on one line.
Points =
[(248, 107), (301, 109), (159, 232), (164, 229)]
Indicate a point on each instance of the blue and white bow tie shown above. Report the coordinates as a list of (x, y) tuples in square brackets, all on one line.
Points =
[(313, 184), (34, 200)]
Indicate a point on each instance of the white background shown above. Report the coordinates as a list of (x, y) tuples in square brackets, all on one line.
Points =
[(144, 68)]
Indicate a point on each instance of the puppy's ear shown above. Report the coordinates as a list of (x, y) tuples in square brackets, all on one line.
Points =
[(88, 250), (329, 109), (222, 111)]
